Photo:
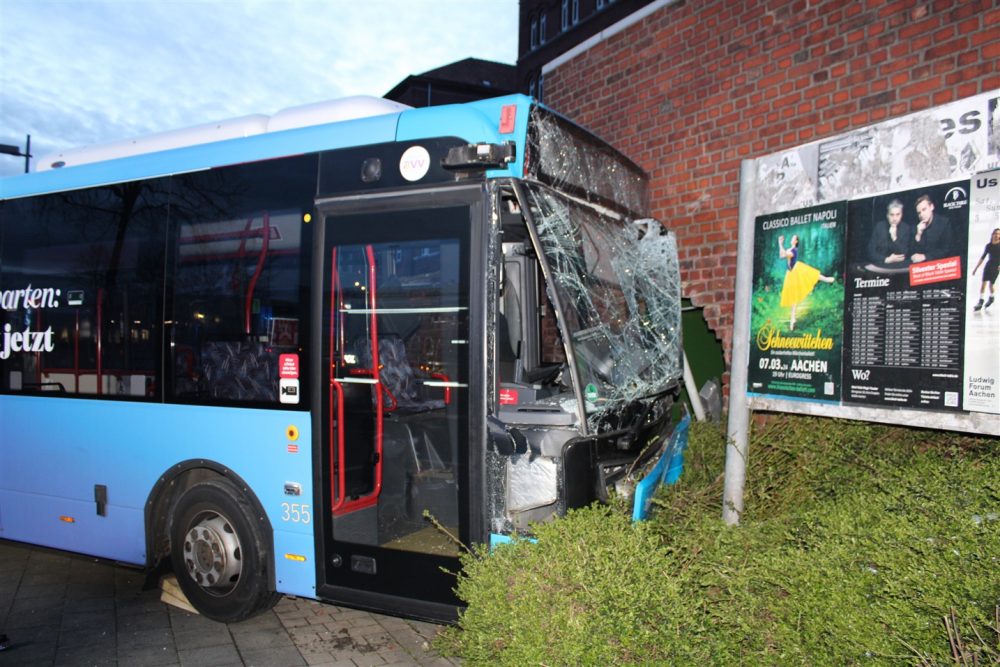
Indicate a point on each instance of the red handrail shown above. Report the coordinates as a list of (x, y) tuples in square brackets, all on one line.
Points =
[(265, 240), (447, 390), (337, 473), (376, 367), (335, 438), (341, 505)]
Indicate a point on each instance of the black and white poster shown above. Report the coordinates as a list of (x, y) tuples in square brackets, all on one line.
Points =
[(905, 298)]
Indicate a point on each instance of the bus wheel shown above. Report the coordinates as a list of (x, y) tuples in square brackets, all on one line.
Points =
[(219, 552)]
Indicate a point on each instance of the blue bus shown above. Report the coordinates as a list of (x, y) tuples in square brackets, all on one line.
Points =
[(320, 352)]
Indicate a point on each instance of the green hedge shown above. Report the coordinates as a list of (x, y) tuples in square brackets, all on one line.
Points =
[(858, 541)]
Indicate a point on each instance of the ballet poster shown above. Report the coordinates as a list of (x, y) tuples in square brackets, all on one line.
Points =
[(796, 322), (981, 387), (905, 295)]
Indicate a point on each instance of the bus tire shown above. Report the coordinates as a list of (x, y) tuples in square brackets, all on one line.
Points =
[(219, 552)]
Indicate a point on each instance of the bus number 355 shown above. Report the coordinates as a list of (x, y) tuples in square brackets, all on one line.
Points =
[(295, 512)]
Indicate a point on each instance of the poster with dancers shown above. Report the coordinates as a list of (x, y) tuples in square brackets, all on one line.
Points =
[(797, 308), (905, 296), (981, 379)]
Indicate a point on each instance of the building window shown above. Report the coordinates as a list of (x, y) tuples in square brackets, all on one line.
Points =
[(600, 5), (541, 81), (542, 29), (576, 11), (564, 22), (534, 32), (532, 88)]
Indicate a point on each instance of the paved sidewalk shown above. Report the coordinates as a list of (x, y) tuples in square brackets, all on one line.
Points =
[(60, 609)]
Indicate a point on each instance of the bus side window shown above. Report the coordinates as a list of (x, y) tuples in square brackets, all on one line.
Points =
[(237, 293), (82, 275)]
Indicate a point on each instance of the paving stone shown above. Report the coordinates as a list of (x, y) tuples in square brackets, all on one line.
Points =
[(40, 593), (18, 619), (438, 661), (289, 607), (146, 637), (262, 639), (36, 634), (10, 581), (86, 656), (88, 637), (323, 619), (69, 610), (358, 658), (44, 578), (182, 621), (396, 658), (388, 622), (148, 656), (36, 661), (330, 662), (265, 621), (373, 633), (308, 634), (96, 603), (321, 658), (352, 614), (286, 656), (88, 620), (13, 554), (203, 638), (295, 622), (335, 627), (329, 642), (134, 606), (293, 607), (25, 650), (149, 621), (409, 640), (217, 656), (41, 562)]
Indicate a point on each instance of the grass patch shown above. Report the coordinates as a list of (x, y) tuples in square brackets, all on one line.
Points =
[(860, 544)]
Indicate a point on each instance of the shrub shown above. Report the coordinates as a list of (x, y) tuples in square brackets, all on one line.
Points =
[(858, 542), (591, 591)]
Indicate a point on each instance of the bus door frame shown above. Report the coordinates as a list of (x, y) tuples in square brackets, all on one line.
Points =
[(473, 503)]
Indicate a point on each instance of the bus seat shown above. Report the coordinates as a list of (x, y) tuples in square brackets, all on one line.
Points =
[(401, 379), (240, 370)]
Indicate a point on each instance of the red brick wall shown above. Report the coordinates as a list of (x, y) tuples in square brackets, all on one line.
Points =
[(698, 86)]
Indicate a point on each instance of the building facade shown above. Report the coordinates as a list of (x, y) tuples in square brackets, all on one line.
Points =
[(688, 90), (549, 28)]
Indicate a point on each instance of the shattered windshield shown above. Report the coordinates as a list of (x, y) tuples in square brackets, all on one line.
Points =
[(615, 271), (576, 163), (618, 284)]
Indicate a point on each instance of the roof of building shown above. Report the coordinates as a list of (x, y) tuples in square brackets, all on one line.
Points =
[(471, 73)]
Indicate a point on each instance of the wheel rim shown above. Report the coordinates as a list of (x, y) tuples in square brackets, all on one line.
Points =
[(212, 553)]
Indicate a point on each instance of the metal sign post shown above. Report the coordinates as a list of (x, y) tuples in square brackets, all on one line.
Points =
[(738, 431)]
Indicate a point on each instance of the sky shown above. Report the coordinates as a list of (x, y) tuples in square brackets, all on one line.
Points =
[(79, 72)]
